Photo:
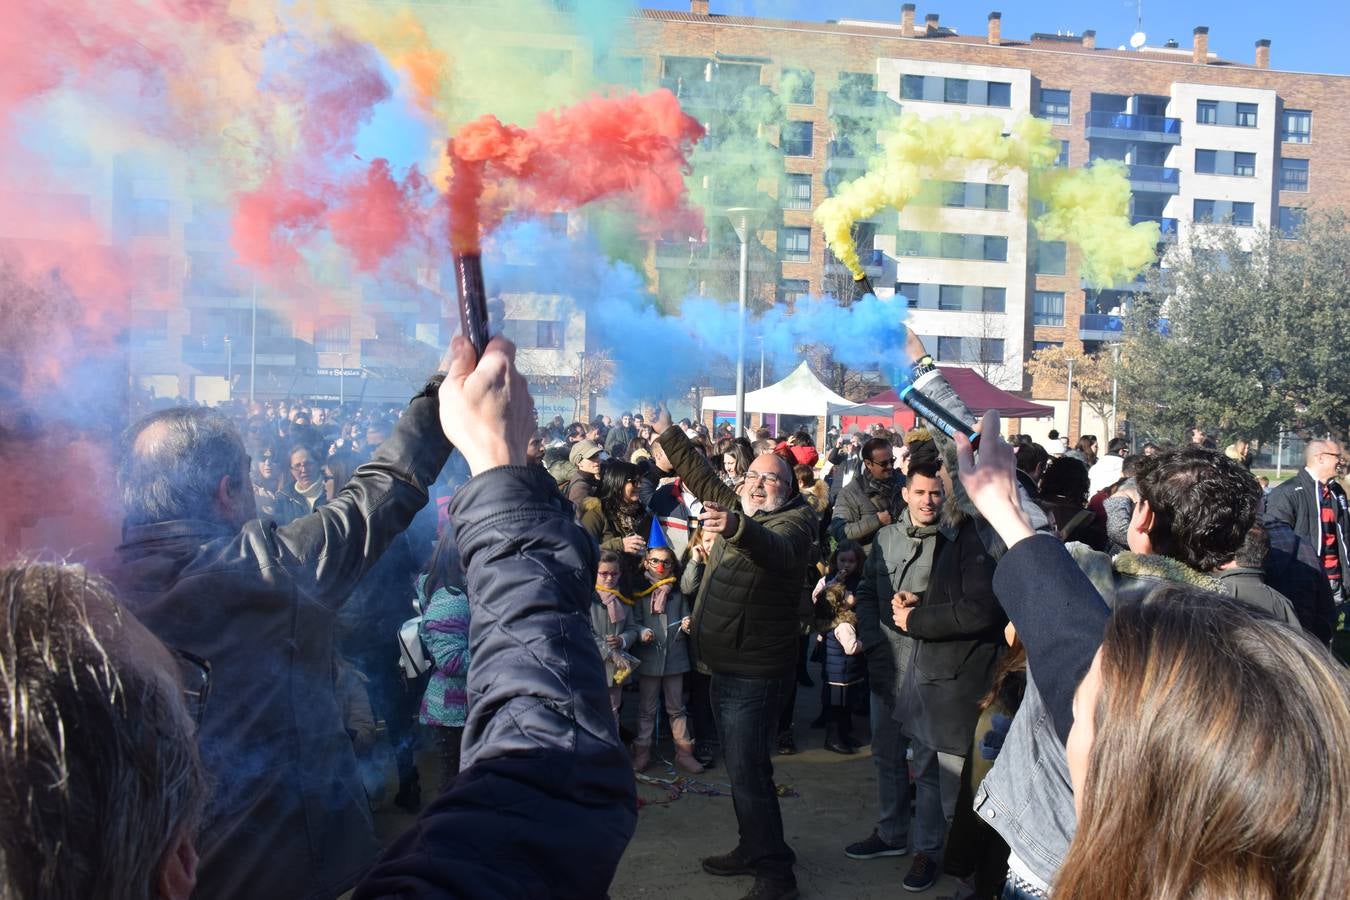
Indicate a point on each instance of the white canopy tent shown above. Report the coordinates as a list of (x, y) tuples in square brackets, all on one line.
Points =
[(799, 394)]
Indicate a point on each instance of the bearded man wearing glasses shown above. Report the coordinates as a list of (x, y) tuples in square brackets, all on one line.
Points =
[(745, 629), (872, 500)]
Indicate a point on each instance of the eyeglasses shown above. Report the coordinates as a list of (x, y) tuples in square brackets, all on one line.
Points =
[(882, 463), (195, 675), (300, 466), (769, 478), (266, 457)]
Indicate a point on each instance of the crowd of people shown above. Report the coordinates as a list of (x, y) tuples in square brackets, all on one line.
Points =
[(1101, 676)]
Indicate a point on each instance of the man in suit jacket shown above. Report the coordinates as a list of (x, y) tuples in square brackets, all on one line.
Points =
[(1315, 506)]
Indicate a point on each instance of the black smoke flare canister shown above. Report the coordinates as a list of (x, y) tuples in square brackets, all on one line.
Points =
[(473, 313), (862, 286), (938, 415)]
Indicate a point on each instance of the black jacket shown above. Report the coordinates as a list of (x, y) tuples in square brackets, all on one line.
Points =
[(289, 816), (958, 636), (1296, 503), (1293, 568), (746, 621), (545, 804), (856, 509)]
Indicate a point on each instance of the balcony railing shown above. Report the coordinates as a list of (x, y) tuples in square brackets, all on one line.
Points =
[(873, 262), (1166, 128), (1159, 179)]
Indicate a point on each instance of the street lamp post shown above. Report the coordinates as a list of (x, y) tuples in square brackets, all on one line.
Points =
[(342, 377), (253, 343), (1068, 402), (1115, 386), (229, 369), (745, 221), (761, 362)]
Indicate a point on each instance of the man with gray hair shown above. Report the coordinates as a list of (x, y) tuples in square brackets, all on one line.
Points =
[(1313, 503), (288, 816), (101, 788)]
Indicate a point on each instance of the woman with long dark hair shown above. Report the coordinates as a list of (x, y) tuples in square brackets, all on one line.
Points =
[(619, 521)]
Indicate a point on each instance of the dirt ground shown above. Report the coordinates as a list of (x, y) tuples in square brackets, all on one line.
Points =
[(834, 804)]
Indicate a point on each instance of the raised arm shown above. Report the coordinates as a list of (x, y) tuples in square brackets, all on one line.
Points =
[(327, 551), (692, 467), (1058, 614), (545, 804)]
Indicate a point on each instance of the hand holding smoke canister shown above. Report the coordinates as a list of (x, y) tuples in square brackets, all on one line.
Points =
[(863, 286), (937, 414), (473, 312)]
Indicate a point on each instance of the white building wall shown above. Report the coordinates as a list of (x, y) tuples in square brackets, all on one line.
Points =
[(1261, 140), (1012, 223)]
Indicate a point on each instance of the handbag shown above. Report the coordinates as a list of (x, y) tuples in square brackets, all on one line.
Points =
[(413, 657)]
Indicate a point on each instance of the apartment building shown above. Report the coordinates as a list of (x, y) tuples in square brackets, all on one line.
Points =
[(1205, 139)]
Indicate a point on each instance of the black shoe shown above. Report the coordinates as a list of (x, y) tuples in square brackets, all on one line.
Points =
[(409, 797), (849, 740), (787, 746), (836, 747), (764, 889), (705, 754), (873, 848), (728, 864), (923, 873)]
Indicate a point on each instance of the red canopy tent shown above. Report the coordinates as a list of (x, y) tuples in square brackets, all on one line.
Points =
[(978, 394)]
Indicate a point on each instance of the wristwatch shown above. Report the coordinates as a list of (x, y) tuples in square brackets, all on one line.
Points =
[(922, 366), (431, 389)]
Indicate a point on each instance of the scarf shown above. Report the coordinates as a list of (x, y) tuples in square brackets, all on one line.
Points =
[(658, 591), (612, 599), (919, 532)]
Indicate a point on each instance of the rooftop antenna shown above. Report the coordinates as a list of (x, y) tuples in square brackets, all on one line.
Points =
[(1138, 38)]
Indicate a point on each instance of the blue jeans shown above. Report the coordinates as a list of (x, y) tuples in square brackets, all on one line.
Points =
[(888, 755), (747, 712)]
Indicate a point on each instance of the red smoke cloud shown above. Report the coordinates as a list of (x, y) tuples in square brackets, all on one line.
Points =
[(376, 214), (635, 145)]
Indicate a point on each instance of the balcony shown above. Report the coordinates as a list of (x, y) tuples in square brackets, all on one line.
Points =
[(1116, 126), (873, 263), (210, 350), (1167, 226), (727, 95), (1154, 179), (854, 104), (1093, 327)]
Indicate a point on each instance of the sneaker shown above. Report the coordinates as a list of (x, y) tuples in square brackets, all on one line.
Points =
[(873, 848), (923, 873), (706, 753), (764, 889), (787, 745), (728, 864)]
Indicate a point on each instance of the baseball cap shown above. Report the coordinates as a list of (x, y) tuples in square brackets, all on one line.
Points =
[(585, 450)]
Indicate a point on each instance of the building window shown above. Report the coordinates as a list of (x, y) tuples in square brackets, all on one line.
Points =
[(1062, 161), (1244, 165), (1050, 258), (995, 299), (1207, 112), (1048, 308), (911, 87), (1206, 161), (1038, 346), (797, 192), (910, 291), (799, 85), (946, 245), (548, 335), (1242, 213), (949, 349), (991, 350), (996, 248), (1055, 106), (1291, 219), (1246, 115), (796, 139), (790, 290), (955, 90), (794, 244), (1293, 174), (1000, 94), (333, 335), (1204, 211), (950, 297), (1297, 126)]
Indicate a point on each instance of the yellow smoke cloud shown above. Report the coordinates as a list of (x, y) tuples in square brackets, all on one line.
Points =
[(1086, 207)]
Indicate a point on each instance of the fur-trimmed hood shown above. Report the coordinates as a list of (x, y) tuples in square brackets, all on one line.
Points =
[(1131, 576)]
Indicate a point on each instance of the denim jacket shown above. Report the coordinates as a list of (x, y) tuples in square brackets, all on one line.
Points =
[(1027, 797)]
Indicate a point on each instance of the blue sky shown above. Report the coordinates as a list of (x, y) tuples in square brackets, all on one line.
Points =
[(1306, 35)]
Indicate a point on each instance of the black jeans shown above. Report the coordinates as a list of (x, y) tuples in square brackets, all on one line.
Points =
[(747, 711)]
